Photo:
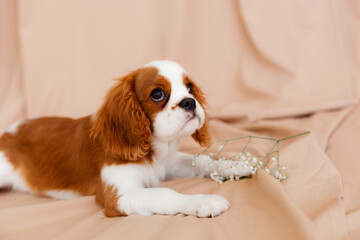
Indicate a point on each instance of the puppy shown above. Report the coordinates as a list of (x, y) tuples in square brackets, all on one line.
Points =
[(121, 153)]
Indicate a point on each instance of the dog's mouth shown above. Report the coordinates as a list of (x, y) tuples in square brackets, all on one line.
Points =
[(191, 116), (193, 120)]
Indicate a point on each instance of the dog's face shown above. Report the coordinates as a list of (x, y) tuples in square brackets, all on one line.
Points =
[(170, 99), (157, 101)]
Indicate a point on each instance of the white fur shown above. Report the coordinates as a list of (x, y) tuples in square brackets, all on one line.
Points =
[(9, 177), (167, 68), (148, 201), (13, 127), (62, 194), (128, 176)]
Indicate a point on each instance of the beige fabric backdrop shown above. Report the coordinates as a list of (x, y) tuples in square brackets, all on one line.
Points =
[(272, 68)]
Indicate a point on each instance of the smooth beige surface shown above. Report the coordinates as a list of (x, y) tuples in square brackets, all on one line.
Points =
[(269, 68)]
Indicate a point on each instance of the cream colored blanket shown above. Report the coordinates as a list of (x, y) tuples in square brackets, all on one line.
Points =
[(269, 68)]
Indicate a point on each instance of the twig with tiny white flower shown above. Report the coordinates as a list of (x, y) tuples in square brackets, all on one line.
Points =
[(223, 169)]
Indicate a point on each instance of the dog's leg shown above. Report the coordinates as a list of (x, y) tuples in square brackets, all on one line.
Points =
[(124, 193), (181, 167), (148, 201)]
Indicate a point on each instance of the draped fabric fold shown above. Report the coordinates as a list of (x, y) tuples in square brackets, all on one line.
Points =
[(269, 68)]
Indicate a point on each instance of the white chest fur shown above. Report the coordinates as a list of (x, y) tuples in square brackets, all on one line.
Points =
[(129, 176)]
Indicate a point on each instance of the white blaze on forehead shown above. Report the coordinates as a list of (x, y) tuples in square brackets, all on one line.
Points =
[(174, 73), (167, 68)]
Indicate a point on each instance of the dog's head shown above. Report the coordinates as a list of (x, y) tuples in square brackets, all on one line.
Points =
[(158, 101)]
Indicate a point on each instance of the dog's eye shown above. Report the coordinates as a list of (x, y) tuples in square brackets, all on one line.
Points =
[(158, 95), (190, 88)]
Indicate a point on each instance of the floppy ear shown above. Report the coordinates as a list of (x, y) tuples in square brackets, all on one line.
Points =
[(121, 124), (201, 135)]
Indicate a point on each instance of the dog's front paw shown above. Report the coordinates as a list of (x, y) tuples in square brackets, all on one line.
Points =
[(206, 205)]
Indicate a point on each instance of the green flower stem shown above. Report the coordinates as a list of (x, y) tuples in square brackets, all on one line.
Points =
[(277, 154), (271, 151), (264, 138), (251, 137), (220, 150), (298, 135)]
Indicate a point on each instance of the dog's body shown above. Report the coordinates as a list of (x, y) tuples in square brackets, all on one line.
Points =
[(122, 153)]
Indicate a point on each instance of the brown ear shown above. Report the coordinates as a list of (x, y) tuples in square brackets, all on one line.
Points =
[(201, 135), (121, 124)]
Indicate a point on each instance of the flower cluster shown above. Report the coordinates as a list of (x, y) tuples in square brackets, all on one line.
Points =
[(242, 163)]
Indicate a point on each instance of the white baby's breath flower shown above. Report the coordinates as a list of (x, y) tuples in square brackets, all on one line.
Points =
[(223, 169)]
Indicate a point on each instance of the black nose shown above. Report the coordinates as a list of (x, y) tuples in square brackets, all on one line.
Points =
[(188, 104)]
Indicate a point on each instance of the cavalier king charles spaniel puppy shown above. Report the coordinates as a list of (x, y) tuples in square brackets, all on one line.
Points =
[(122, 153)]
